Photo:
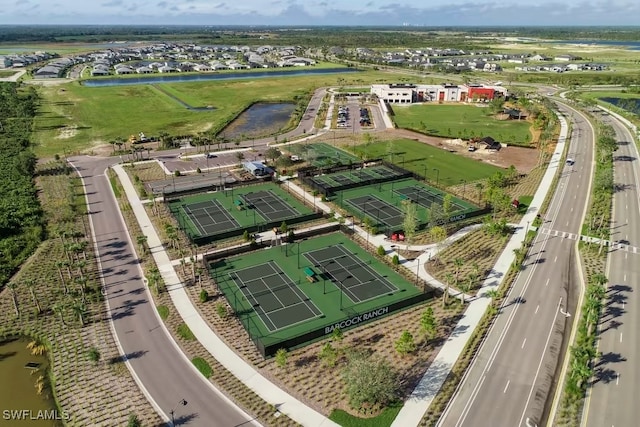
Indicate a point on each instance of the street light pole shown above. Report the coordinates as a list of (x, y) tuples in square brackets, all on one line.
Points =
[(172, 412), (437, 175)]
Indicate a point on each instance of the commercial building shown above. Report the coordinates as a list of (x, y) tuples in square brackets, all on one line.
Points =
[(393, 93)]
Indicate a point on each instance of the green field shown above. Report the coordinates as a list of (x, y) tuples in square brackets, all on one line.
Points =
[(291, 260), (441, 167), (73, 117), (461, 121), (246, 218), (7, 73)]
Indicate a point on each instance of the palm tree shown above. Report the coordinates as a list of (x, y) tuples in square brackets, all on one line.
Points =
[(31, 284), (82, 281), (13, 286), (445, 295), (142, 240), (79, 309), (60, 308), (493, 294), (458, 263)]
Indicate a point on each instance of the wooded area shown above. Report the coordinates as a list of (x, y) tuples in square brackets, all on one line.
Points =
[(21, 226)]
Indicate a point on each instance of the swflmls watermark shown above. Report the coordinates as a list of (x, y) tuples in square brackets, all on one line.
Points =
[(28, 414)]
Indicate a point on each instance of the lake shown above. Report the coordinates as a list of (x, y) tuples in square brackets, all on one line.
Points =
[(212, 76), (21, 395), (259, 120), (630, 104)]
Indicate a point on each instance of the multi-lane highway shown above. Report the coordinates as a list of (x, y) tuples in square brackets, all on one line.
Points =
[(511, 378), (612, 398)]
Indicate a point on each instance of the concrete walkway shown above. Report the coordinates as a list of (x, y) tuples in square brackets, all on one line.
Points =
[(418, 403), (268, 391)]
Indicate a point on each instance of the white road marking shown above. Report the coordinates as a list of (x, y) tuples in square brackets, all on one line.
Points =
[(555, 259), (625, 277), (523, 343), (537, 308), (618, 378), (507, 386), (567, 223), (620, 336), (623, 305), (547, 283)]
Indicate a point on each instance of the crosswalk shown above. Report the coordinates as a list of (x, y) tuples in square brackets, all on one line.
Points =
[(571, 236)]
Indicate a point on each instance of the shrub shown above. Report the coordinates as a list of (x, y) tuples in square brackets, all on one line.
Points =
[(163, 311), (133, 421), (185, 333), (204, 296), (381, 250), (198, 170), (177, 173), (93, 354), (282, 356), (202, 366), (405, 344), (221, 309), (395, 260)]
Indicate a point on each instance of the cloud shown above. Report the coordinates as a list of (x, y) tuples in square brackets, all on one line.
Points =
[(328, 12), (112, 3)]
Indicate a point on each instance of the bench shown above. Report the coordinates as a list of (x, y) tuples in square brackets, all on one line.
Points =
[(311, 275)]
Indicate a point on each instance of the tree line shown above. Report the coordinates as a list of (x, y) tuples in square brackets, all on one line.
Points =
[(21, 222)]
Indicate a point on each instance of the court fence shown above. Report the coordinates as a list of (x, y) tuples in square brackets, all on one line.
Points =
[(257, 228), (352, 318), (229, 251), (306, 175)]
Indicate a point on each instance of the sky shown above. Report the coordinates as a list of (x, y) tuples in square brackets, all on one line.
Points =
[(322, 12)]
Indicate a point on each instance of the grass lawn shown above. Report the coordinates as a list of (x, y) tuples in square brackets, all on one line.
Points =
[(7, 73), (442, 167), (73, 117), (385, 418), (461, 121)]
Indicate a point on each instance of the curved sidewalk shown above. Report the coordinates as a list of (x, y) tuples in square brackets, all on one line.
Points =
[(264, 388)]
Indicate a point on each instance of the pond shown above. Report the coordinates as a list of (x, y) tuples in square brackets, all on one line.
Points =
[(212, 76), (259, 120), (630, 104), (20, 403)]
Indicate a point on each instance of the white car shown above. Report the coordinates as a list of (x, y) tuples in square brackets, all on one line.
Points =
[(570, 161)]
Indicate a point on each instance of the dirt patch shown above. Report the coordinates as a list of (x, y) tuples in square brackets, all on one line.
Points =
[(524, 159), (67, 132)]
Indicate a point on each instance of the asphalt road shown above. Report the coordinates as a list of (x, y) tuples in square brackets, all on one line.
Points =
[(167, 376), (511, 378), (163, 369), (613, 396)]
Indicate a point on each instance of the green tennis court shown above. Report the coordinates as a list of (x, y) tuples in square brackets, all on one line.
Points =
[(364, 175), (274, 296), (321, 154), (209, 216), (382, 202), (289, 295)]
